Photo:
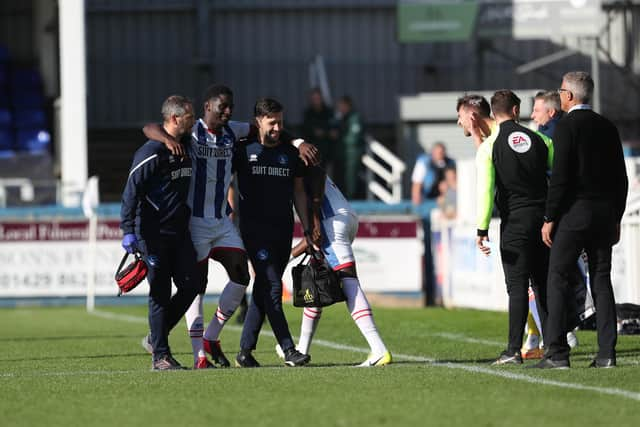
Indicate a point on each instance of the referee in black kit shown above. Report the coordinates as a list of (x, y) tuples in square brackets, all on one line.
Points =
[(513, 167), (586, 200)]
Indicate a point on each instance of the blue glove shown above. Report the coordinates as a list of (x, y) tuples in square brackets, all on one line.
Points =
[(130, 243)]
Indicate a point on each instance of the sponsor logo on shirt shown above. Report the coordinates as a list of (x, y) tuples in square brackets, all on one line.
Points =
[(519, 142), (216, 152), (270, 171), (179, 173), (283, 159), (253, 158), (262, 254)]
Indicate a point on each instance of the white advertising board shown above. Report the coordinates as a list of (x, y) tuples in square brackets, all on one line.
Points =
[(50, 258)]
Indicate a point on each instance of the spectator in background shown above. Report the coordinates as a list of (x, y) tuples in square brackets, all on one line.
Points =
[(316, 126), (428, 172), (447, 200), (546, 112), (350, 147)]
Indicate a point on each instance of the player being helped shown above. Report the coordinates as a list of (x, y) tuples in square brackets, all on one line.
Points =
[(214, 235), (339, 224)]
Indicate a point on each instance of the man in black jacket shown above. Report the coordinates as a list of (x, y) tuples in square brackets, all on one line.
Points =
[(585, 203), (155, 221)]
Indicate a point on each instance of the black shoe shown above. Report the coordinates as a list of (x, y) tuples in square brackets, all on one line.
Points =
[(166, 362), (603, 363), (551, 364), (245, 359), (214, 349), (293, 357), (508, 358)]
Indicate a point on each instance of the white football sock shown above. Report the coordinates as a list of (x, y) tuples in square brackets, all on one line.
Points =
[(361, 313), (195, 326), (229, 300), (310, 319)]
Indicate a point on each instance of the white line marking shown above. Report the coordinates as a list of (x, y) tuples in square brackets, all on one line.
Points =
[(398, 356), (463, 338), (119, 316)]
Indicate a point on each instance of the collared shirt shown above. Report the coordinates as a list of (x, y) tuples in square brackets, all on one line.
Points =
[(580, 107)]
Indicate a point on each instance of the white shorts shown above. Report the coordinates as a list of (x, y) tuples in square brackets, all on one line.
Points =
[(213, 234), (338, 233)]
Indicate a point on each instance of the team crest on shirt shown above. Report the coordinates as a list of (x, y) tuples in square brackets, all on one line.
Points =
[(519, 142), (253, 158), (283, 159), (262, 254)]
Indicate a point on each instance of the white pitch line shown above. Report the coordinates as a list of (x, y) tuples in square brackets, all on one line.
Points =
[(337, 346), (463, 338), (66, 374), (119, 316)]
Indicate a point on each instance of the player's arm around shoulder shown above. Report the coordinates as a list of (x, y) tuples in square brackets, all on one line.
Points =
[(156, 132)]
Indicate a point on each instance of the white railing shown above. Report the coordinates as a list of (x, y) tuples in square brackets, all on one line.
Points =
[(389, 170), (25, 185), (33, 190)]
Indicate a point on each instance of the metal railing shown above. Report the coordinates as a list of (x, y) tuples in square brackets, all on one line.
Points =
[(24, 184), (32, 192), (389, 168)]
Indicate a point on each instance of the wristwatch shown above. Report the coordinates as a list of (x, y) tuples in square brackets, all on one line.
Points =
[(547, 219)]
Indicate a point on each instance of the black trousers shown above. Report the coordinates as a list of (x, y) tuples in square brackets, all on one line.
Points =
[(587, 224), (168, 257), (524, 258), (269, 254)]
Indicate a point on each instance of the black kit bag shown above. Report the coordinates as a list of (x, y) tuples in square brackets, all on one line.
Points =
[(131, 276), (315, 284)]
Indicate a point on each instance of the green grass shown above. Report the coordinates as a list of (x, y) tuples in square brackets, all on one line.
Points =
[(64, 367)]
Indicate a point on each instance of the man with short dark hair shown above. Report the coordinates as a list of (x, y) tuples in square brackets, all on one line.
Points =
[(155, 221), (474, 117), (512, 167), (270, 181), (584, 208)]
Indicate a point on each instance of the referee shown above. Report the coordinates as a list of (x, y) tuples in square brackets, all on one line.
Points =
[(513, 166)]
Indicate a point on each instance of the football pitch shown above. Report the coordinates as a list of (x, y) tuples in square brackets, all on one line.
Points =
[(65, 367)]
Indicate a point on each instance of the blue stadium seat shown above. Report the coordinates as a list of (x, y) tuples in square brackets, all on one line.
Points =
[(6, 139), (4, 74), (5, 118), (31, 118), (27, 99), (4, 54), (26, 78), (33, 140)]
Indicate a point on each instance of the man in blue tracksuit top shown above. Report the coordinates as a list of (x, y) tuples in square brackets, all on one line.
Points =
[(155, 222)]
